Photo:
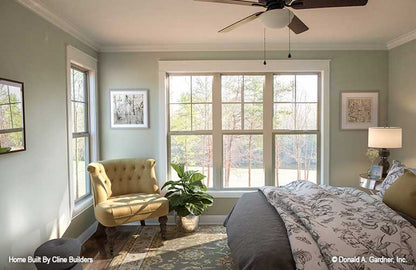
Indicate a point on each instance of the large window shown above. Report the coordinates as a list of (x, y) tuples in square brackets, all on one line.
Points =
[(242, 110), (80, 132), (190, 125), (224, 126), (296, 127), (83, 146)]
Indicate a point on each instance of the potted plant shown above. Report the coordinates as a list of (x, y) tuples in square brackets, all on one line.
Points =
[(187, 197)]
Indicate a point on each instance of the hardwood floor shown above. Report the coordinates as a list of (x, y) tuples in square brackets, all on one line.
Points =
[(95, 247)]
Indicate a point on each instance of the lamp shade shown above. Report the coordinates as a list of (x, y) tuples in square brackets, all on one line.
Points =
[(276, 18), (385, 137)]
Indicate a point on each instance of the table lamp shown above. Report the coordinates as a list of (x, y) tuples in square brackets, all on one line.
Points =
[(384, 138)]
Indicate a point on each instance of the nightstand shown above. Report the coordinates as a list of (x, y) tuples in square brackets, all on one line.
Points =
[(372, 185)]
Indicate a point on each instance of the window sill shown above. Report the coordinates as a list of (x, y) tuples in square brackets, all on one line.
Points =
[(81, 206), (229, 193)]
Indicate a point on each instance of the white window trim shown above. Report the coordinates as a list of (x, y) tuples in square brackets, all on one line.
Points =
[(215, 66), (81, 59)]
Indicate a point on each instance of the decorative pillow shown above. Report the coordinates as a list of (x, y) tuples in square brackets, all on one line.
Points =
[(396, 170), (401, 195)]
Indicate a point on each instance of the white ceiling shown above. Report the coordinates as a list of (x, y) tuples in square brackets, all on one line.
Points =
[(151, 24)]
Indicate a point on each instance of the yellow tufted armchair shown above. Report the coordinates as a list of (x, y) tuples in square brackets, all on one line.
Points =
[(125, 190)]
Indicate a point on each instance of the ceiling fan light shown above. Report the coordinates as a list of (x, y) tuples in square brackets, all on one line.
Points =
[(276, 18)]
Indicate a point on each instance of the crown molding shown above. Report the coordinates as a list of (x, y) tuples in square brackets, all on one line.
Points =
[(48, 15), (401, 40), (242, 47), (68, 27)]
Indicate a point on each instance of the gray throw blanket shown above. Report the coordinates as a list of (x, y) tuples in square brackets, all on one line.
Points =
[(342, 228)]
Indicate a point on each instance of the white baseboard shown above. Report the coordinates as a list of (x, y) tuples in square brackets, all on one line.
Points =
[(203, 220), (88, 233)]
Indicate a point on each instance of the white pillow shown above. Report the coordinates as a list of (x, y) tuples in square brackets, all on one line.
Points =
[(396, 170)]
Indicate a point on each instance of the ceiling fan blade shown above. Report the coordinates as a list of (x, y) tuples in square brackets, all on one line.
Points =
[(241, 22), (306, 4), (297, 26), (260, 3)]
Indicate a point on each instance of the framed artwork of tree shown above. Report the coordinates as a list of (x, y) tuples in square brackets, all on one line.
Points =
[(12, 117), (129, 108)]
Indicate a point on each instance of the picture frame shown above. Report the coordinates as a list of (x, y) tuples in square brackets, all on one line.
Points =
[(12, 117), (359, 110), (376, 172), (129, 108)]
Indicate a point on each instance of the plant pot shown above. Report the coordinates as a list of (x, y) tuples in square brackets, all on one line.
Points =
[(188, 223)]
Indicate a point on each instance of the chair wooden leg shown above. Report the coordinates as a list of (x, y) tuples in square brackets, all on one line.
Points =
[(100, 230), (100, 239), (142, 222), (163, 220), (110, 232)]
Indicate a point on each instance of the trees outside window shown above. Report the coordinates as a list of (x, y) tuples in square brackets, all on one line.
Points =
[(232, 136), (295, 124), (80, 132), (242, 110), (190, 123), (12, 128)]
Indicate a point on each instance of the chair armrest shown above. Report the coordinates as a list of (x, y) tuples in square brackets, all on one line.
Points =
[(151, 184), (101, 185)]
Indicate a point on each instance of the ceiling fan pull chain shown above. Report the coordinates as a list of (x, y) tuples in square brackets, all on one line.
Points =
[(264, 47), (289, 55)]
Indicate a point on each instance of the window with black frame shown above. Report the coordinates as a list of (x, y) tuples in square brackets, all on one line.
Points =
[(12, 126)]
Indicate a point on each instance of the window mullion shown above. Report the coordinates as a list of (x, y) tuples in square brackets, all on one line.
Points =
[(86, 98), (12, 130), (217, 132), (10, 106), (80, 134), (268, 130), (295, 108), (192, 113), (242, 103)]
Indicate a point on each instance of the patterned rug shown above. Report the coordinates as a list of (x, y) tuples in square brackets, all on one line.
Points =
[(204, 249)]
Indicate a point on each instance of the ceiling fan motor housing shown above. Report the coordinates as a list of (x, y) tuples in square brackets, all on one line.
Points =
[(276, 18)]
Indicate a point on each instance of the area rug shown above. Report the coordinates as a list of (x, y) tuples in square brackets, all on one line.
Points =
[(205, 249)]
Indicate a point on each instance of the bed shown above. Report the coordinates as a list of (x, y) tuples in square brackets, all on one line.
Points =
[(258, 245), (258, 238)]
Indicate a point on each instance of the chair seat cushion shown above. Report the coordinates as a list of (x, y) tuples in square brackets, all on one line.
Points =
[(128, 208)]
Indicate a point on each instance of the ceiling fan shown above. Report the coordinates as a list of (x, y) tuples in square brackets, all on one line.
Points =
[(277, 15)]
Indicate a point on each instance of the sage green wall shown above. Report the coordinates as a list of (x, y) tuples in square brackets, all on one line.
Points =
[(34, 192), (80, 223), (350, 70), (402, 99)]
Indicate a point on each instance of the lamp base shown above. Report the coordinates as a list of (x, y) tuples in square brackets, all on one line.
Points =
[(384, 154)]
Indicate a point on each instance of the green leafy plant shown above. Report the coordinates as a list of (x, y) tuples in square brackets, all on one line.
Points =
[(4, 149), (188, 194)]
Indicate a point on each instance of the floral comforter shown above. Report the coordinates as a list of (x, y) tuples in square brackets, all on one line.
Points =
[(342, 228)]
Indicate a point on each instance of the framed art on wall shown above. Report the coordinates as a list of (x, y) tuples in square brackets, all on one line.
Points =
[(12, 117), (129, 108), (359, 109)]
